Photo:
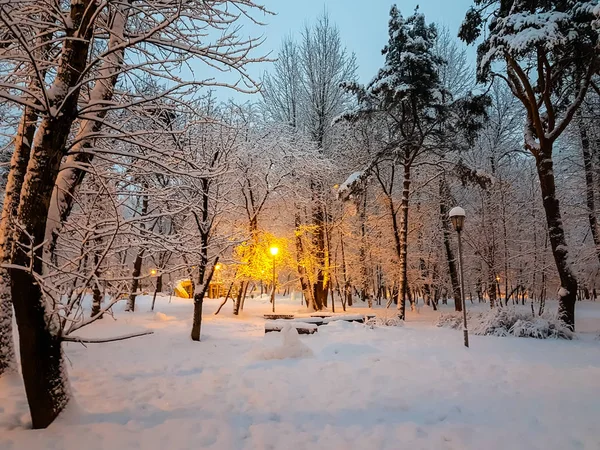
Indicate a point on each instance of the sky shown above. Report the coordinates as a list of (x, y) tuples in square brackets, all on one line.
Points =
[(362, 25)]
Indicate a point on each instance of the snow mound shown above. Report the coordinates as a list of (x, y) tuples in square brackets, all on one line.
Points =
[(292, 346), (341, 325), (509, 322), (162, 317)]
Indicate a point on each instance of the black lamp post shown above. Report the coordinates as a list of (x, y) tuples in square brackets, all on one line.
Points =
[(274, 251), (457, 216)]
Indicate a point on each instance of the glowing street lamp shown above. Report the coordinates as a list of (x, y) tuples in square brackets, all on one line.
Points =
[(457, 216), (274, 252), (154, 273)]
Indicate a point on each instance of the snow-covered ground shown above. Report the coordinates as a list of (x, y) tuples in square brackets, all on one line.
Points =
[(348, 386)]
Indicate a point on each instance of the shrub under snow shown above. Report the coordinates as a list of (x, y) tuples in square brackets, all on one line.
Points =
[(509, 322)]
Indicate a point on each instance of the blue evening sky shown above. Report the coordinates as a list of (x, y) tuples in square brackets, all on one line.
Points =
[(362, 25)]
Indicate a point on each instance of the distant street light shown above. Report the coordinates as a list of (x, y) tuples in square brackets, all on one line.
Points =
[(274, 251), (457, 216)]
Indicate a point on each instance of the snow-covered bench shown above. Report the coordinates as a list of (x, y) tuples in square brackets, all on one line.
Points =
[(278, 316), (345, 317), (301, 327)]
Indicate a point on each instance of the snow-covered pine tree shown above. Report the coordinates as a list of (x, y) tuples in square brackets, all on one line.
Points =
[(547, 52), (406, 94)]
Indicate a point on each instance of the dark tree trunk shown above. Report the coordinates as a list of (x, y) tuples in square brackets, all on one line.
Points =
[(362, 255), (159, 283), (137, 265), (198, 301), (299, 260), (137, 270), (397, 246), (403, 260), (589, 185), (44, 374), (445, 197), (18, 167), (320, 288), (97, 293), (238, 300), (556, 234)]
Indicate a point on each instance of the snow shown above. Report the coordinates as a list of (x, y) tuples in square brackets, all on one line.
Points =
[(347, 186), (457, 211), (345, 387), (281, 324)]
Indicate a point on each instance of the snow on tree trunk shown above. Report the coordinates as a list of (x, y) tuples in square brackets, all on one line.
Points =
[(568, 291), (42, 363), (18, 168), (72, 174)]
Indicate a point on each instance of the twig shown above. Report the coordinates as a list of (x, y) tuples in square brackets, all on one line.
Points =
[(83, 340)]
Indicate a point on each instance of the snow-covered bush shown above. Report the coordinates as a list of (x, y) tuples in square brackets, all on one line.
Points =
[(385, 320), (451, 320), (519, 323), (509, 322)]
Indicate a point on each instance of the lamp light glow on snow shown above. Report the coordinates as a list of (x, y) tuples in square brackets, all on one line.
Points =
[(218, 267)]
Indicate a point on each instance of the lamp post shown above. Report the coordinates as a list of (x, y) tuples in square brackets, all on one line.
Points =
[(274, 251), (153, 274), (217, 281), (457, 216)]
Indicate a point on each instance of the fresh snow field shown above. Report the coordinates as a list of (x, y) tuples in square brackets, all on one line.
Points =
[(346, 387)]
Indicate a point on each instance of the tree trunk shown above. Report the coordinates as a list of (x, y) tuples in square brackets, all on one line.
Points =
[(450, 257), (199, 299), (320, 288), (299, 260), (362, 256), (44, 374), (589, 184), (403, 260), (397, 246), (72, 174), (238, 300), (137, 265), (97, 293), (18, 167), (556, 233)]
